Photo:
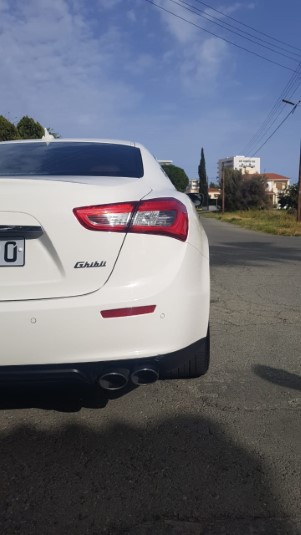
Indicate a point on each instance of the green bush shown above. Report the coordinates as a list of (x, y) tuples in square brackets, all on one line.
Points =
[(28, 128), (177, 176), (8, 131)]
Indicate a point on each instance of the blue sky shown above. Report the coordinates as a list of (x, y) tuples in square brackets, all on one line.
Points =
[(125, 69)]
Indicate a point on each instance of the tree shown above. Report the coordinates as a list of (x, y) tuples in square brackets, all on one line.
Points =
[(233, 180), (289, 197), (244, 192), (254, 192), (203, 178), (8, 131), (177, 176), (28, 128)]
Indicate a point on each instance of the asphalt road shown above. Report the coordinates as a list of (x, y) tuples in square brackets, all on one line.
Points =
[(212, 456)]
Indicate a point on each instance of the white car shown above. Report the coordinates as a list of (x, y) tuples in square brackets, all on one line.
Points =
[(104, 267)]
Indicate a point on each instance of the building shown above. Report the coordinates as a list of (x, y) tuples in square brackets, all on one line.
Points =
[(214, 194), (275, 184), (241, 163), (165, 162), (193, 186)]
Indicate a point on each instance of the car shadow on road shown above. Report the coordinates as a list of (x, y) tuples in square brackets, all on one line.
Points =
[(278, 376), (60, 398), (175, 475)]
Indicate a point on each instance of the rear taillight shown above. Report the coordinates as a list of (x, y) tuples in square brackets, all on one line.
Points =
[(112, 217), (166, 217)]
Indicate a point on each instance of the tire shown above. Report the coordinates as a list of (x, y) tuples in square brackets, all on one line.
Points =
[(195, 366)]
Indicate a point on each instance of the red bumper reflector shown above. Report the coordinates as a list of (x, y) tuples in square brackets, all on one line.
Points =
[(124, 312)]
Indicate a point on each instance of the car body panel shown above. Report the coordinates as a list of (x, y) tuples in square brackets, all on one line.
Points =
[(50, 311), (72, 329), (50, 260)]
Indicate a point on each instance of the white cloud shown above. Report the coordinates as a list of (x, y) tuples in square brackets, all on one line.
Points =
[(182, 31), (56, 69), (108, 4), (76, 73), (237, 6), (200, 57), (143, 63), (3, 5), (212, 54), (131, 14)]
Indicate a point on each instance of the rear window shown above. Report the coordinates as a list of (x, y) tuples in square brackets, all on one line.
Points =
[(70, 159)]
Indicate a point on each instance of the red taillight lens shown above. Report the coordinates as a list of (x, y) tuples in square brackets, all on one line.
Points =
[(112, 217), (166, 217), (130, 311)]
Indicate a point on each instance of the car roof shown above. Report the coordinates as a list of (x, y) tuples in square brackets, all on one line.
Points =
[(76, 140)]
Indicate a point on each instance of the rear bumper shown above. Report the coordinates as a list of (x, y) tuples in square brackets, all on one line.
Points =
[(70, 331), (87, 373)]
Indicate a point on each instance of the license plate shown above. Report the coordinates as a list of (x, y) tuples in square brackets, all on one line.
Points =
[(12, 252)]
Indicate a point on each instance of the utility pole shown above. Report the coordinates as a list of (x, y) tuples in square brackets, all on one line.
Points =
[(299, 190), (295, 104), (223, 188)]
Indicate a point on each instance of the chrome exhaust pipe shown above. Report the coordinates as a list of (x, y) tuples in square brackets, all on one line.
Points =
[(144, 375), (114, 379)]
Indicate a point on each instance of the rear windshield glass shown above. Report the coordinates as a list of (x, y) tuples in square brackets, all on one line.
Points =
[(70, 159)]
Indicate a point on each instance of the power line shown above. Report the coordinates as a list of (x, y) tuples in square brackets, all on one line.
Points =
[(247, 26), (277, 109), (297, 54), (232, 29), (274, 132), (292, 85), (219, 37), (263, 133)]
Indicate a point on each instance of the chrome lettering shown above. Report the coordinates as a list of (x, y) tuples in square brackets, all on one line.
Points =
[(85, 264)]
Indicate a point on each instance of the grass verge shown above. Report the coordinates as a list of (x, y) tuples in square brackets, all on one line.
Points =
[(271, 221)]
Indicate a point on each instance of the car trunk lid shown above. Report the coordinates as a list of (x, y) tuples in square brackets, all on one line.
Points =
[(61, 257)]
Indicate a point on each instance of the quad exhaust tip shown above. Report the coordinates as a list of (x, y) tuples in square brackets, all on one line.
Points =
[(116, 379), (144, 375)]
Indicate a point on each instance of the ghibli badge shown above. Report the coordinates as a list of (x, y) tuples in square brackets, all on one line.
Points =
[(83, 264)]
